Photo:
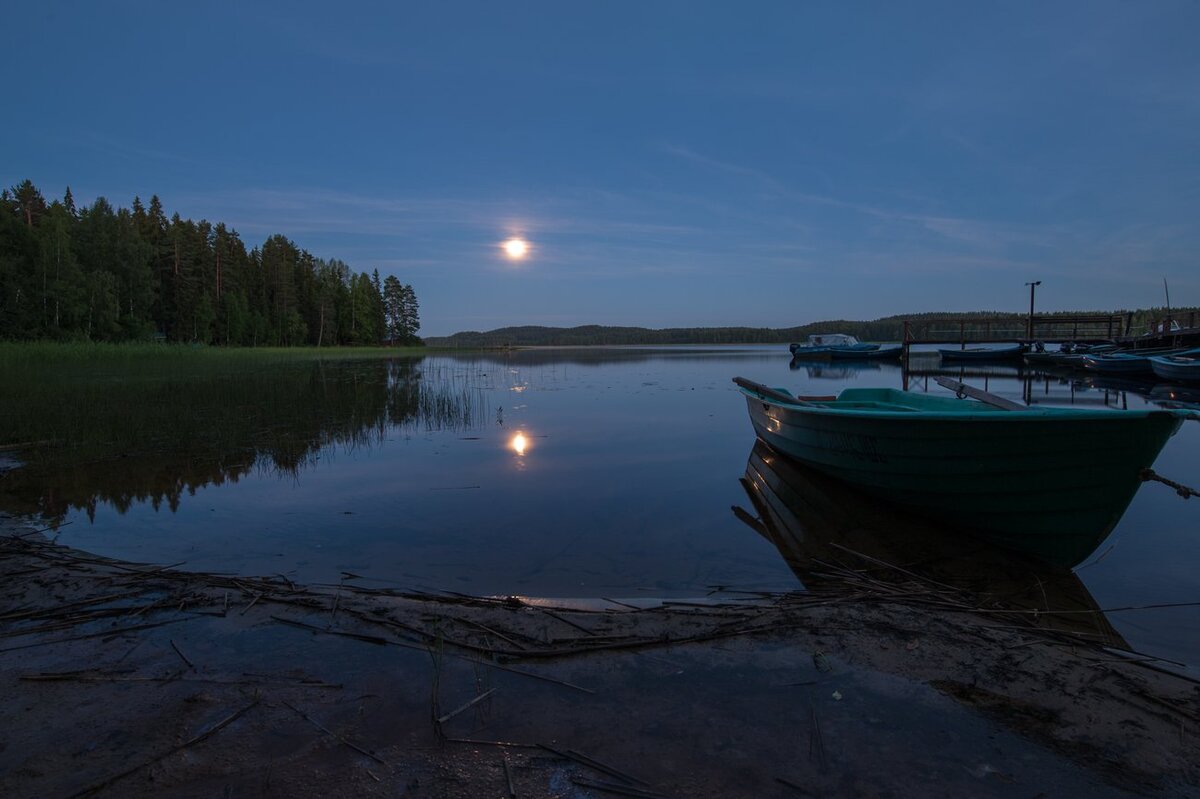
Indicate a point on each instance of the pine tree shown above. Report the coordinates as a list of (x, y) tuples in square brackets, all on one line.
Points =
[(410, 317), (393, 304), (30, 202)]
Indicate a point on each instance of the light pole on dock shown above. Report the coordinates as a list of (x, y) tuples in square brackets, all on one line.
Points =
[(1029, 328)]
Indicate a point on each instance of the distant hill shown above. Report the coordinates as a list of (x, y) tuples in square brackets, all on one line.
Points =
[(890, 328), (592, 335)]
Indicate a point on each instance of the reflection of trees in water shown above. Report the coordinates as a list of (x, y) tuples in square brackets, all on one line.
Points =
[(599, 356), (152, 441)]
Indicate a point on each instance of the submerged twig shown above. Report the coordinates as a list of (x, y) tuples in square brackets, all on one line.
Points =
[(340, 738), (184, 657), (466, 706), (220, 725)]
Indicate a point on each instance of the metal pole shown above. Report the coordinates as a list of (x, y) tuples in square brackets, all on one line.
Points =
[(1029, 329)]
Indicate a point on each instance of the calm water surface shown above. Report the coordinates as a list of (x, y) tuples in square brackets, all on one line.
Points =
[(563, 473)]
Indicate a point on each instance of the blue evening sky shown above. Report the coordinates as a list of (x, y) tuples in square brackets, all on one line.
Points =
[(671, 163)]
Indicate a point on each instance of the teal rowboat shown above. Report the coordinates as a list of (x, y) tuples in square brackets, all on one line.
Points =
[(1044, 480), (1012, 351), (1183, 366), (814, 521)]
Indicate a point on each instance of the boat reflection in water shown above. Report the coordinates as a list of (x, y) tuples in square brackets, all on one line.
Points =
[(818, 523), (835, 370)]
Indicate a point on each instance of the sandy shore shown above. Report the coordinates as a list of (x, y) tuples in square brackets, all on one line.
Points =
[(123, 679)]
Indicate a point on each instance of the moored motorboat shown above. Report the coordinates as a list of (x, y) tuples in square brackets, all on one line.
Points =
[(823, 345), (1039, 479)]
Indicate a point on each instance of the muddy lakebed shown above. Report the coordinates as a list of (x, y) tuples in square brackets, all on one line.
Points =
[(554, 573)]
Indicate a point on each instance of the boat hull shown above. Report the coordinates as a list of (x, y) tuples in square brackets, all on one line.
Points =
[(1041, 482), (1186, 370), (1064, 359), (1121, 363), (877, 354), (803, 351), (1014, 352)]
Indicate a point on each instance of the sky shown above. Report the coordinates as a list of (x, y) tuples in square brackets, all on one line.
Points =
[(670, 163)]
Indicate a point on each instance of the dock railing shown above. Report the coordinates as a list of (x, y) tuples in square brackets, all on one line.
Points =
[(1047, 328)]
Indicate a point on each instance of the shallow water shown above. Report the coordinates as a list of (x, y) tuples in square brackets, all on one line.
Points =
[(565, 473)]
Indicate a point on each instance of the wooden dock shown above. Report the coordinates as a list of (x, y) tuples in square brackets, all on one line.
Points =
[(1048, 329), (1056, 329)]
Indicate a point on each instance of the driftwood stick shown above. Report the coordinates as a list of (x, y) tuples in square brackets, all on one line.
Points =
[(481, 742), (252, 604), (584, 760), (489, 630), (119, 677), (533, 674), (617, 788), (184, 657), (56, 610), (371, 639), (225, 722), (792, 785), (332, 734), (565, 620), (466, 706), (607, 769), (101, 634), (816, 743), (512, 791)]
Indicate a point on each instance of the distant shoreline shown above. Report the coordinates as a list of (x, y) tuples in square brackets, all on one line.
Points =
[(890, 328)]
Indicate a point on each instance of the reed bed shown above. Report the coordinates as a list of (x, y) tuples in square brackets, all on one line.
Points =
[(135, 422)]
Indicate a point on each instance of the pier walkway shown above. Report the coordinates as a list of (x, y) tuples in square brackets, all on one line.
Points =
[(1047, 329)]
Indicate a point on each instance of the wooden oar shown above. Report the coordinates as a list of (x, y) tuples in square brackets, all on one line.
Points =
[(767, 391), (963, 390)]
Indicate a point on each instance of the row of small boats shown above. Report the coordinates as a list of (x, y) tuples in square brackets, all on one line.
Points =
[(1167, 364), (844, 347)]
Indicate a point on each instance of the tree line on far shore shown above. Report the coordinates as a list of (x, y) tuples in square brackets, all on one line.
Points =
[(101, 273), (891, 328)]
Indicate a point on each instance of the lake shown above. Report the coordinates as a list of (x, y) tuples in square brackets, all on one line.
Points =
[(569, 473)]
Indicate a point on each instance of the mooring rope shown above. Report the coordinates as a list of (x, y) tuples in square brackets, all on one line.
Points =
[(1180, 488)]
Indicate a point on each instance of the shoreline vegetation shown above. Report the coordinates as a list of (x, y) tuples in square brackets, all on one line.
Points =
[(187, 415)]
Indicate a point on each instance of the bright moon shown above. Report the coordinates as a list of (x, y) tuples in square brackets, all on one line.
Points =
[(516, 248)]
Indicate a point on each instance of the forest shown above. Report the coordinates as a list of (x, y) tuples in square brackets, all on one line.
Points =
[(890, 328), (99, 273)]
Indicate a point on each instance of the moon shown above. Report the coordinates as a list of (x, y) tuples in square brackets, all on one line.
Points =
[(516, 248)]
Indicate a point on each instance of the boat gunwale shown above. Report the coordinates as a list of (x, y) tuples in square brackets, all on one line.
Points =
[(974, 410)]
